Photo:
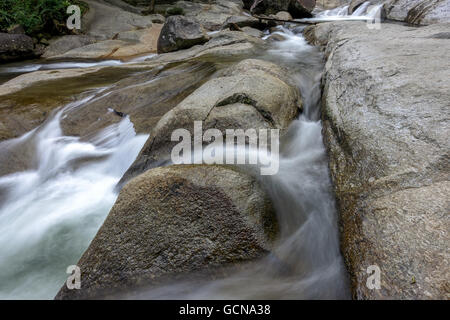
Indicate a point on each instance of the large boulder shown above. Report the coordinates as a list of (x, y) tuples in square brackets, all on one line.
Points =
[(180, 32), (242, 21), (386, 128), (420, 12), (254, 94), (175, 221), (15, 46)]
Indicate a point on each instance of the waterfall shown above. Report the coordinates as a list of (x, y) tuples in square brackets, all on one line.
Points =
[(50, 211), (365, 12), (306, 262)]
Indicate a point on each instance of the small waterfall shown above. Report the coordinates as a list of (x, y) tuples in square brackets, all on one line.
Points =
[(306, 262), (336, 12), (50, 211), (365, 12)]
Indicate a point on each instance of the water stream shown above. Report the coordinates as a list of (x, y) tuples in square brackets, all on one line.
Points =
[(306, 262), (50, 211)]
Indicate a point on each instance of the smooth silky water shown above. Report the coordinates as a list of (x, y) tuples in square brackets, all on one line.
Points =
[(306, 262), (50, 212)]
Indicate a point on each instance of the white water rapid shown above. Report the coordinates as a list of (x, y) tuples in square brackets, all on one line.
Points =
[(306, 262), (50, 212)]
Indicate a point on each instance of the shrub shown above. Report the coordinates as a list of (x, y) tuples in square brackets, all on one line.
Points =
[(174, 11), (37, 16)]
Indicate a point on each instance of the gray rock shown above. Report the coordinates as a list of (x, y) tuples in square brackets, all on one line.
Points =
[(211, 15), (419, 12), (283, 15), (64, 44), (15, 46), (241, 21), (145, 98), (386, 128), (103, 20), (180, 32), (252, 32), (173, 222), (355, 4), (225, 45), (331, 4), (157, 18), (254, 94)]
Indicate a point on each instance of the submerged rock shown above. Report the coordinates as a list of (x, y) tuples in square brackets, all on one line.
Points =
[(386, 128), (174, 221), (180, 32)]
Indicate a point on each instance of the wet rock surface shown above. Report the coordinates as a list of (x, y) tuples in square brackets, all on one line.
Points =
[(180, 32), (175, 221), (257, 98), (386, 128), (419, 12)]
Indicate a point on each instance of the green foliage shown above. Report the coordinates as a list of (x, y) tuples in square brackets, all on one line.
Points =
[(36, 16), (174, 11)]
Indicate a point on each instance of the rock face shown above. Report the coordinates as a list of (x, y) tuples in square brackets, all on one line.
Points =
[(354, 5), (386, 128), (66, 43), (212, 14), (297, 8), (331, 4), (241, 21), (125, 45), (15, 46), (180, 32), (253, 94), (175, 221), (420, 12), (104, 20), (145, 98)]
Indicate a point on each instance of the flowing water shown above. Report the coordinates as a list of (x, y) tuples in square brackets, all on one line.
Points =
[(50, 212), (365, 12), (306, 262)]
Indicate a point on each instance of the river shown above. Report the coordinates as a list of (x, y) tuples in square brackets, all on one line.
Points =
[(51, 211)]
